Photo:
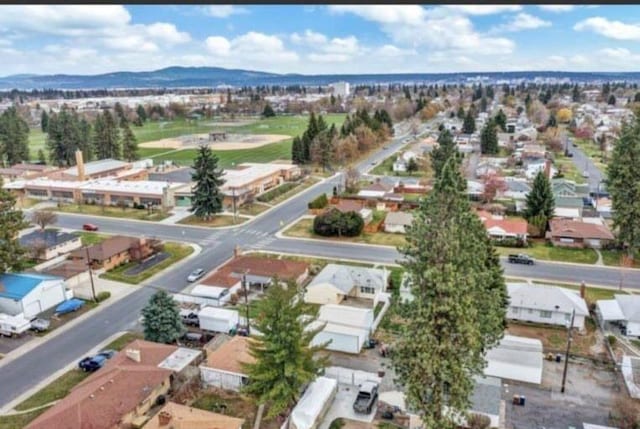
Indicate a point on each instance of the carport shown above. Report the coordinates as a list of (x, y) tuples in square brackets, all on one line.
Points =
[(610, 315)]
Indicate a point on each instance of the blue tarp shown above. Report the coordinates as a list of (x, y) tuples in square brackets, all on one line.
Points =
[(69, 306)]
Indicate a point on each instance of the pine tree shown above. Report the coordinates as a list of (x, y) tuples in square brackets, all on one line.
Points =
[(110, 145), (459, 305), (622, 184), (86, 142), (129, 144), (14, 137), (552, 122), (161, 319), (483, 104), (489, 139), (501, 120), (446, 149), (612, 100), (469, 124), (44, 121), (12, 254), (268, 111), (575, 94), (297, 151), (120, 115), (207, 195), (540, 201), (98, 135), (284, 357), (142, 113), (42, 159), (460, 113)]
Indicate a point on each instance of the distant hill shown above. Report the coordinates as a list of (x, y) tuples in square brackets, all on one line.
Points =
[(180, 77)]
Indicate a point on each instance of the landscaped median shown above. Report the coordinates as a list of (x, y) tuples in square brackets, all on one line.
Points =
[(112, 211), (216, 221), (128, 273)]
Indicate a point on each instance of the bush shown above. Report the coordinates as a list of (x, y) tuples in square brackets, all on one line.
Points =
[(612, 340), (478, 421), (276, 192), (335, 223), (233, 298), (336, 424), (102, 296), (320, 202), (509, 242)]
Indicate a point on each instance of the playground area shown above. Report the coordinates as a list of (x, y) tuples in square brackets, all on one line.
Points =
[(217, 141)]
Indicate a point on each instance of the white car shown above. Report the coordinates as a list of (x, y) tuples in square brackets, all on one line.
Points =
[(195, 275), (585, 174)]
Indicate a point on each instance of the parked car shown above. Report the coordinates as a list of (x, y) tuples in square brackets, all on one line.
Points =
[(195, 275), (521, 259), (92, 363), (69, 306), (367, 397), (89, 227), (40, 325), (585, 174), (107, 353), (191, 319)]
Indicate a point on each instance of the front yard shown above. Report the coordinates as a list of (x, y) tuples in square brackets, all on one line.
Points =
[(111, 211), (91, 238), (304, 229), (547, 252), (215, 222), (613, 258), (253, 209), (57, 389), (568, 168), (176, 253), (385, 168)]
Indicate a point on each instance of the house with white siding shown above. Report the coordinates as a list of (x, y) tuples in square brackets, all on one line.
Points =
[(335, 283), (30, 294)]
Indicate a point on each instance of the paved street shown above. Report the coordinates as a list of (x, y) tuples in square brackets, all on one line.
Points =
[(217, 246), (584, 163)]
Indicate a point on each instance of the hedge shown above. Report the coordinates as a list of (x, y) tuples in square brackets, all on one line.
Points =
[(320, 202), (276, 192), (104, 295)]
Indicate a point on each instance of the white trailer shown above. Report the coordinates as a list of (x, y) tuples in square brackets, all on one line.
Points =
[(217, 319), (13, 325)]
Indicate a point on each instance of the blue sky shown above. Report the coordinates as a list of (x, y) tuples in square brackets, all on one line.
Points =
[(319, 39)]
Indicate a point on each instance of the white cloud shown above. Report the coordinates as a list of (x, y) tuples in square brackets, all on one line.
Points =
[(309, 37), (557, 8), (384, 14), (616, 53), (130, 42), (166, 33), (613, 29), (522, 21), (218, 45), (484, 9), (252, 50), (390, 51), (223, 10)]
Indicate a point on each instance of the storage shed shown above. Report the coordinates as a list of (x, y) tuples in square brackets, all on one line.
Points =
[(30, 294), (216, 319), (314, 403), (347, 328)]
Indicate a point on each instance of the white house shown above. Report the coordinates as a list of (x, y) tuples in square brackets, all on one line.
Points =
[(48, 244), (30, 294), (401, 163), (223, 366), (217, 319), (397, 222), (346, 328), (314, 404), (516, 358), (546, 304), (621, 313), (215, 295), (336, 283)]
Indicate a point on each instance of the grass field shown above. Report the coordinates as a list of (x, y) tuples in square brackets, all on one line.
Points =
[(552, 253), (304, 229), (36, 142), (613, 258)]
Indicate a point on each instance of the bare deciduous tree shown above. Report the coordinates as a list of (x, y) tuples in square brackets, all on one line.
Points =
[(44, 218)]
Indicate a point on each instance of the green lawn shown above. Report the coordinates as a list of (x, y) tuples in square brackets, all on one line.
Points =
[(215, 222), (304, 229), (150, 152), (569, 169), (119, 343), (253, 209), (90, 238), (552, 253), (54, 391), (111, 211), (36, 142), (288, 125), (385, 168), (151, 130), (19, 421), (612, 258), (177, 252)]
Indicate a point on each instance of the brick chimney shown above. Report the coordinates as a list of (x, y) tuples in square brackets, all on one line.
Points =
[(164, 417), (583, 290), (80, 165), (133, 354)]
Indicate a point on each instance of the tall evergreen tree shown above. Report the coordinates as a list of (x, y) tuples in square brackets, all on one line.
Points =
[(297, 151), (85, 143), (552, 122), (285, 360), (483, 104), (14, 137), (121, 117), (107, 143), (98, 135), (501, 120), (129, 143), (612, 100), (540, 202), (308, 136), (459, 305), (142, 113), (268, 111), (575, 93), (446, 149), (489, 139), (161, 319), (460, 113), (42, 159), (207, 195), (623, 184), (469, 123), (12, 254), (44, 121)]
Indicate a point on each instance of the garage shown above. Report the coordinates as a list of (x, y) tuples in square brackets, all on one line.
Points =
[(30, 294), (342, 338), (218, 319)]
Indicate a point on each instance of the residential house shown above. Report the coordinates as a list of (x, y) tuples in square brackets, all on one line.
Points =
[(115, 251), (376, 189), (30, 294), (532, 169), (622, 314), (475, 189), (359, 207), (501, 228), (122, 392), (223, 365), (336, 283), (177, 416), (577, 233), (397, 222), (546, 304), (345, 328), (569, 197), (48, 244), (402, 161), (516, 189), (516, 358)]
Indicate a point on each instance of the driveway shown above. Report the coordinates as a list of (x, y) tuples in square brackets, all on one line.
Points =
[(342, 407)]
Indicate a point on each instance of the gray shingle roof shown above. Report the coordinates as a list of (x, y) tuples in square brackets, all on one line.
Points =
[(49, 237), (346, 277)]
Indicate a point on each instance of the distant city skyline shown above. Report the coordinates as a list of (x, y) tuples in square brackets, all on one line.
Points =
[(333, 39)]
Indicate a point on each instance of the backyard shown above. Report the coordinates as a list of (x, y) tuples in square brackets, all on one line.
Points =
[(232, 404), (112, 211)]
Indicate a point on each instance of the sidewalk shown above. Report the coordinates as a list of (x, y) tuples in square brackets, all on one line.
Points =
[(179, 213)]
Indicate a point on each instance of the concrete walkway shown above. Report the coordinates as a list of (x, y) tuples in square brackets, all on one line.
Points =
[(599, 262), (179, 213)]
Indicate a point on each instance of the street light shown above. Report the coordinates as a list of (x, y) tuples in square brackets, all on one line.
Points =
[(566, 356)]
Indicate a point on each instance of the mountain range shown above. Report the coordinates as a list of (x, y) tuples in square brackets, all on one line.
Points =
[(182, 77)]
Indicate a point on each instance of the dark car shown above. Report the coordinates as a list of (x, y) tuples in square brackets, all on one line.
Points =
[(367, 398), (92, 363), (191, 319), (521, 259), (89, 227)]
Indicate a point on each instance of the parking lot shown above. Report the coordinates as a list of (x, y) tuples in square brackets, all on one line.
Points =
[(589, 394)]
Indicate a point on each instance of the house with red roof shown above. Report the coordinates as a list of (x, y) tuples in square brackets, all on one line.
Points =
[(500, 228)]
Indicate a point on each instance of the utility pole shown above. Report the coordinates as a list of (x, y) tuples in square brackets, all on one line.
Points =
[(93, 289), (234, 204), (246, 299), (566, 356)]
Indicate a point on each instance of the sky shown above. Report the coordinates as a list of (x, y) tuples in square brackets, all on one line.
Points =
[(322, 39)]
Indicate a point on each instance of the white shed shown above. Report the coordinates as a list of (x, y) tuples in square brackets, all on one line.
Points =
[(217, 319), (219, 294), (516, 358), (347, 328), (314, 403), (30, 294)]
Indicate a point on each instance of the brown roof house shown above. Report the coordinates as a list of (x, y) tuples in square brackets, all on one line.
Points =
[(176, 416), (223, 365), (121, 393), (572, 233), (357, 206), (116, 250)]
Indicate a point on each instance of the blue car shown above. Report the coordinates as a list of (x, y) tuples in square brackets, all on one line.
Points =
[(90, 364), (69, 306)]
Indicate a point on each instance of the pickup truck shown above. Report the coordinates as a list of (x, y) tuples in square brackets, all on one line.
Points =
[(367, 397), (521, 259)]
